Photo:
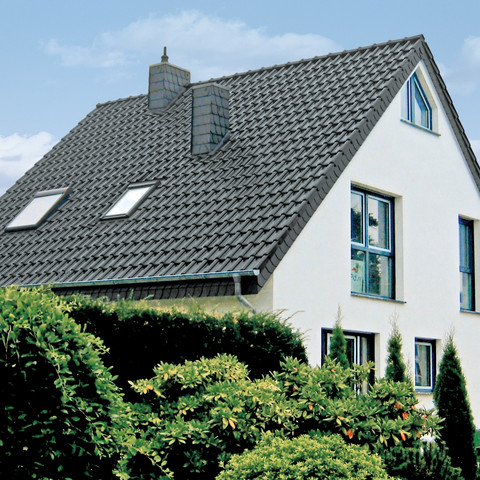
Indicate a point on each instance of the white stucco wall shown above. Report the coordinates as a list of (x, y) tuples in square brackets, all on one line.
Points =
[(432, 186)]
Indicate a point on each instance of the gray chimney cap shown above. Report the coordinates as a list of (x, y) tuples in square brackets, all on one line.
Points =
[(164, 56)]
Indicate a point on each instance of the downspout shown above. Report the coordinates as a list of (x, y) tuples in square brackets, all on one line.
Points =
[(238, 292)]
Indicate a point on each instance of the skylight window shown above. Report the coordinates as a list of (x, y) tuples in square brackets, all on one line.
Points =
[(40, 207), (130, 200)]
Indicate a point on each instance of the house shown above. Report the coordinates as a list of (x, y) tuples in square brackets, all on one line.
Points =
[(342, 180)]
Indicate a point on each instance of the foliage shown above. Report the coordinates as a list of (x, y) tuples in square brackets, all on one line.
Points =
[(396, 370), (451, 399), (152, 336), (200, 413), (338, 343), (329, 401), (322, 458), (422, 462), (61, 415)]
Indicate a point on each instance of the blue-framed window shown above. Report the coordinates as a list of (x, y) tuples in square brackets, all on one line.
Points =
[(419, 110), (372, 245), (467, 277), (425, 361)]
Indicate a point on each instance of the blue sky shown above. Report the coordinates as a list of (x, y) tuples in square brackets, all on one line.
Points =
[(60, 58)]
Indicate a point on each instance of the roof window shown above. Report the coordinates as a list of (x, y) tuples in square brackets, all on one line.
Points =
[(39, 209), (130, 200)]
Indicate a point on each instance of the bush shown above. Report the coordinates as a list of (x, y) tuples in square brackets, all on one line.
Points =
[(338, 343), (151, 336), (200, 413), (322, 458), (61, 415), (396, 369), (423, 462), (328, 400), (451, 399)]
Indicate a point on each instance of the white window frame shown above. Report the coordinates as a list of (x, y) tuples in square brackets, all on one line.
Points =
[(40, 216), (432, 345), (146, 186)]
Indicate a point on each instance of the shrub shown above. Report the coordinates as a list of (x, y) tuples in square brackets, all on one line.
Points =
[(151, 336), (451, 399), (322, 458), (427, 461), (61, 415), (338, 343), (199, 413), (395, 370), (328, 400)]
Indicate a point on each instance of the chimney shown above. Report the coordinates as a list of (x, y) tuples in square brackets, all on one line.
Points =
[(210, 111), (166, 82)]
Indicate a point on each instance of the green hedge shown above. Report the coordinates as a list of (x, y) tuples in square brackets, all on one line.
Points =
[(61, 414), (139, 336)]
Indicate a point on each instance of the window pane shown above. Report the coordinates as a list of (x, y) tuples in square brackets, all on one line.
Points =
[(467, 301), (466, 244), (35, 211), (358, 271), (357, 217), (423, 365), (128, 200), (466, 291), (421, 108), (380, 275), (364, 350), (351, 350), (378, 223)]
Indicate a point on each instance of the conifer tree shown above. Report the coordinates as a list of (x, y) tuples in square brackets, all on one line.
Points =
[(396, 369), (338, 343), (451, 399)]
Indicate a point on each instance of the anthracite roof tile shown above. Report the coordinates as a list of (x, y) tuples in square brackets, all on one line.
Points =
[(293, 129)]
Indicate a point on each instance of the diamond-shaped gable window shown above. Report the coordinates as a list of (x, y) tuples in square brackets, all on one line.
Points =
[(39, 209), (130, 200)]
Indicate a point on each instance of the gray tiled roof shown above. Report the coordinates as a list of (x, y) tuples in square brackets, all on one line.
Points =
[(293, 129)]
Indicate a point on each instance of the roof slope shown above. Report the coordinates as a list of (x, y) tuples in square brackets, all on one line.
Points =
[(294, 128)]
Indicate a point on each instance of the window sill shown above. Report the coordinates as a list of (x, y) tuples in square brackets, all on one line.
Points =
[(473, 312), (423, 392), (420, 127), (374, 297)]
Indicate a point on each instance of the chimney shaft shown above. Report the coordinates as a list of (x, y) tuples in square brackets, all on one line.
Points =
[(166, 82), (210, 112)]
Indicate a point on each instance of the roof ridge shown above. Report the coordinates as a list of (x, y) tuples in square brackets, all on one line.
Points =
[(280, 65), (121, 99), (318, 57)]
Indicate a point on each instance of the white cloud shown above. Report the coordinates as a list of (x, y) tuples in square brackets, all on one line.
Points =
[(19, 152), (207, 45)]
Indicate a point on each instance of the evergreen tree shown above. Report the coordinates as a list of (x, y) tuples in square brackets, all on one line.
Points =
[(338, 343), (451, 399), (395, 370)]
